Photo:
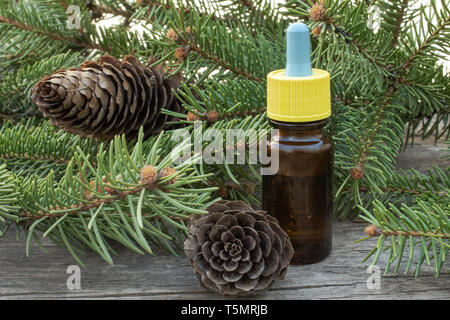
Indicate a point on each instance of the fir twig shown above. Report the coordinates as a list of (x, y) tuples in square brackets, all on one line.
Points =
[(398, 23), (440, 27), (72, 41), (440, 235), (210, 56)]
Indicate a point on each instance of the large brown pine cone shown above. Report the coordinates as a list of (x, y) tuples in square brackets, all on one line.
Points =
[(236, 250), (109, 97)]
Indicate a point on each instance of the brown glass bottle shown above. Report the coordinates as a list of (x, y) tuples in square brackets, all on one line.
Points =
[(300, 195)]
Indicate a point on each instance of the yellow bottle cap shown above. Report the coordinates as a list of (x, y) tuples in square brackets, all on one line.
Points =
[(298, 93), (298, 99)]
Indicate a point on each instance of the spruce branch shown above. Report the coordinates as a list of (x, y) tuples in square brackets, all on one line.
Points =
[(391, 90), (238, 99), (419, 221), (398, 188), (73, 42), (427, 42), (127, 196), (374, 130), (32, 146), (211, 56), (9, 197), (48, 21), (375, 58), (428, 222), (377, 233), (239, 58), (390, 189)]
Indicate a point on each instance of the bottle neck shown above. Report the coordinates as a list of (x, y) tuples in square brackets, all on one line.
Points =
[(299, 128)]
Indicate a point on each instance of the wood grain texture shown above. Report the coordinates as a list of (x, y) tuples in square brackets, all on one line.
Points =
[(163, 276)]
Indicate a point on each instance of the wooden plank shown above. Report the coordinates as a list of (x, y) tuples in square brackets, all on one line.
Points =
[(168, 277), (423, 155)]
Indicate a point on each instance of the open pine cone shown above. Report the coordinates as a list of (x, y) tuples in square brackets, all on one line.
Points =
[(236, 250), (109, 97)]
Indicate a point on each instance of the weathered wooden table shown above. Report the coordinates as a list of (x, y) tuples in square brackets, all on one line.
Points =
[(341, 276)]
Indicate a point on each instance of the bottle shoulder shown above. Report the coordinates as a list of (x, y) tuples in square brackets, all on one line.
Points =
[(302, 140), (305, 144)]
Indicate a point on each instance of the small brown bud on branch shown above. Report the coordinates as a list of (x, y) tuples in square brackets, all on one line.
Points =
[(357, 172), (168, 172), (149, 175), (318, 12)]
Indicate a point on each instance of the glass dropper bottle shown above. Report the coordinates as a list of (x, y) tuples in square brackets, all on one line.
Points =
[(300, 194)]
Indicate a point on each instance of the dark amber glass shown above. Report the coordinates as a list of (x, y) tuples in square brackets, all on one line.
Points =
[(300, 195)]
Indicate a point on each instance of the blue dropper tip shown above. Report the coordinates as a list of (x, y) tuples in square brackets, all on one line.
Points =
[(298, 55)]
